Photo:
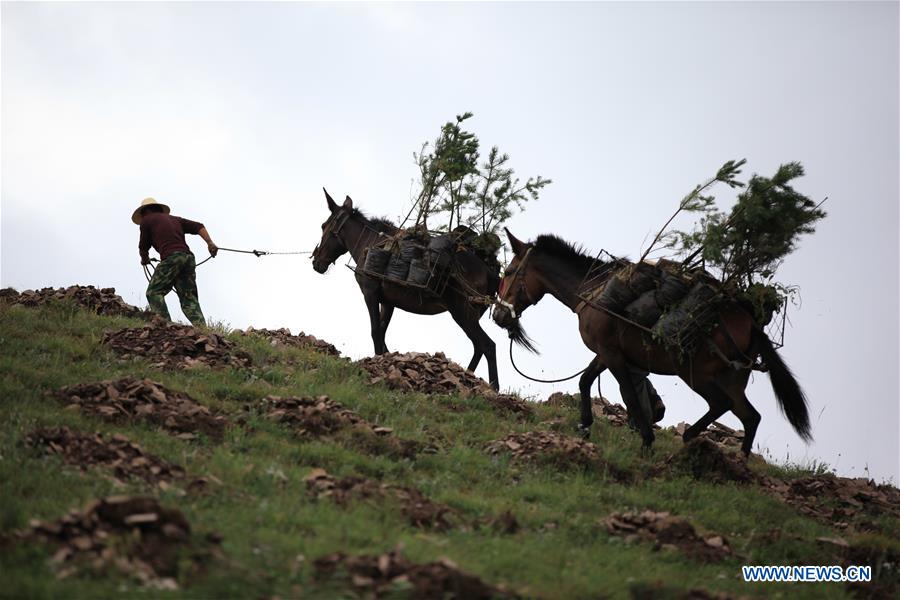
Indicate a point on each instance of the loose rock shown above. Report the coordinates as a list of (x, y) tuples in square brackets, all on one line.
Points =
[(717, 432), (615, 414), (510, 403), (435, 374), (131, 399), (283, 337), (322, 416), (169, 345), (136, 535), (426, 373), (705, 459), (841, 502), (667, 531), (117, 453), (547, 446), (103, 301), (421, 511), (312, 417), (391, 572)]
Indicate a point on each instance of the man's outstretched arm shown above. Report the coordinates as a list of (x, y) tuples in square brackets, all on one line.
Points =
[(210, 245)]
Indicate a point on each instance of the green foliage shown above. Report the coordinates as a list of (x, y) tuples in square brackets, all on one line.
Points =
[(748, 244), (454, 189)]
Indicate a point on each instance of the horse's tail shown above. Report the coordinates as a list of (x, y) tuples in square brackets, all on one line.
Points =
[(791, 399)]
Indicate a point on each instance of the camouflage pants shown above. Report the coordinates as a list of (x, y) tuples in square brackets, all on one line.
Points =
[(176, 270)]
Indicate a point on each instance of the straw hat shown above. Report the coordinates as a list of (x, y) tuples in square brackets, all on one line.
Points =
[(136, 215)]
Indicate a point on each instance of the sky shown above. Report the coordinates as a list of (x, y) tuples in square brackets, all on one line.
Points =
[(238, 114)]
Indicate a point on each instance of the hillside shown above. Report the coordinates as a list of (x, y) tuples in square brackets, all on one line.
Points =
[(262, 465)]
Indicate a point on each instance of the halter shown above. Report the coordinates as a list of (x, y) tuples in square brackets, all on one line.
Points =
[(333, 227), (521, 285)]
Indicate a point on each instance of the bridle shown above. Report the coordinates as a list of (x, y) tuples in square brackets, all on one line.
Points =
[(517, 283), (333, 227)]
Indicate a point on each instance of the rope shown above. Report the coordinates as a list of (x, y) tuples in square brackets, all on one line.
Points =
[(536, 379), (257, 253)]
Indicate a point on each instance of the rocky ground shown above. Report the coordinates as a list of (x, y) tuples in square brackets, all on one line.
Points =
[(284, 338), (131, 399), (135, 535), (508, 484), (389, 573), (116, 453), (102, 301), (170, 345)]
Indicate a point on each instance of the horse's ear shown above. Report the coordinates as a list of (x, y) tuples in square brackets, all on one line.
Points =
[(518, 246), (332, 205), (348, 203)]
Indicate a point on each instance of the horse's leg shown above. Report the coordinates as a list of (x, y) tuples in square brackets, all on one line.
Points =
[(735, 385), (619, 368), (719, 403), (387, 311), (591, 373), (481, 341), (375, 323), (750, 419), (476, 358)]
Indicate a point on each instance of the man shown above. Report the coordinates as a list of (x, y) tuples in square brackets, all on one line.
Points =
[(177, 266)]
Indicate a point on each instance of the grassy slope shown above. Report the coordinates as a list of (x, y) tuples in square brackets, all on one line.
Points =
[(272, 529)]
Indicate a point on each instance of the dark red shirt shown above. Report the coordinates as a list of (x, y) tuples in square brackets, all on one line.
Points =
[(166, 234)]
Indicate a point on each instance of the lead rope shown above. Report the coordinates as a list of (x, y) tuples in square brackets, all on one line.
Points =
[(257, 253), (512, 360)]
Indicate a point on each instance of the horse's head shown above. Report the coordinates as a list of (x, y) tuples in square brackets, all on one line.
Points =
[(519, 289), (332, 245)]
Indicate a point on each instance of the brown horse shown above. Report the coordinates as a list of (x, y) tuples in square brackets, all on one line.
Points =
[(551, 265), (349, 230)]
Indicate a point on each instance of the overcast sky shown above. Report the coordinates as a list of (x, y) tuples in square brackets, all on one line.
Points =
[(237, 115)]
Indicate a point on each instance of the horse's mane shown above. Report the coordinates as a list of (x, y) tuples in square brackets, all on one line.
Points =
[(557, 247), (382, 224)]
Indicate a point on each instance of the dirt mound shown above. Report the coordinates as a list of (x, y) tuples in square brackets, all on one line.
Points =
[(601, 407), (117, 453), (322, 416), (616, 414), (169, 345), (705, 459), (389, 573), (312, 417), (421, 372), (509, 403), (666, 531), (283, 337), (421, 511), (435, 374), (838, 501), (131, 399), (133, 534), (717, 432), (103, 301), (547, 446)]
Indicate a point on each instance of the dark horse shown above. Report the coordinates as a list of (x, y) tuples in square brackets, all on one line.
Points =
[(551, 265), (348, 230)]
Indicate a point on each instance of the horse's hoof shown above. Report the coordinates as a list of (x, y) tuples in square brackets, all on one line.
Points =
[(584, 432)]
